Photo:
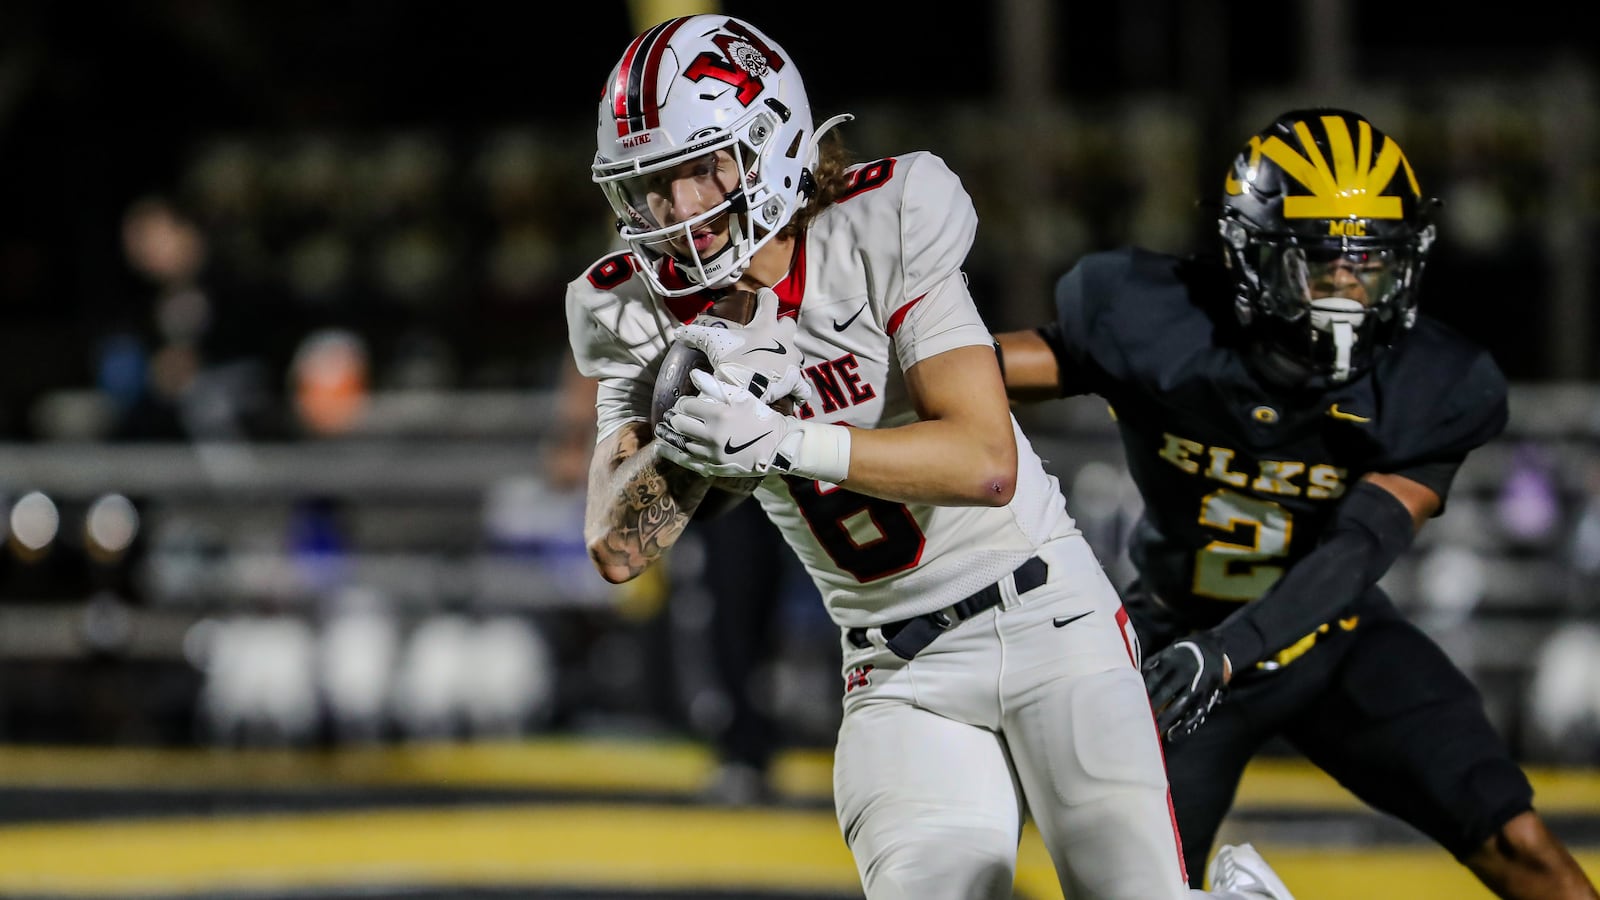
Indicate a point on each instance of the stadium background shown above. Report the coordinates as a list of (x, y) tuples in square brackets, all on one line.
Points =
[(293, 602)]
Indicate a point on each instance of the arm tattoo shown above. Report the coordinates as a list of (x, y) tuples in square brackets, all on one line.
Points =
[(639, 503)]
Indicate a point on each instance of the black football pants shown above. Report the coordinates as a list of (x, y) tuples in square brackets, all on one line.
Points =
[(1381, 708)]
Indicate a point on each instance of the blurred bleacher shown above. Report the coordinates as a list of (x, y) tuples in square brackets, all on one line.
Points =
[(417, 540), (303, 383), (324, 403)]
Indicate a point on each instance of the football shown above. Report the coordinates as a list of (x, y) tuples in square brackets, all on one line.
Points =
[(672, 382)]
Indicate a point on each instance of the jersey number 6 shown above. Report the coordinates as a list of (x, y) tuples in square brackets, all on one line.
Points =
[(866, 536)]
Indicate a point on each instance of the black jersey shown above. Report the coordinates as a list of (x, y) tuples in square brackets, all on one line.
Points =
[(1239, 477)]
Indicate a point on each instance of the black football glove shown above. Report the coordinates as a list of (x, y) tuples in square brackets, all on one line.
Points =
[(1185, 682)]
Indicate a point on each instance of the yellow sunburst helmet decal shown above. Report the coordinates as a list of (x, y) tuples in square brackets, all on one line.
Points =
[(1349, 188)]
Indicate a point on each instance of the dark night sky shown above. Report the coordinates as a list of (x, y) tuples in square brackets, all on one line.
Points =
[(97, 101)]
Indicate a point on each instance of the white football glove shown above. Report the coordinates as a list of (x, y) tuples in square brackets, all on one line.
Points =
[(761, 357), (728, 432)]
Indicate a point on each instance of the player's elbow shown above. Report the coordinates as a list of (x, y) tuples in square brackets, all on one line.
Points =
[(616, 574), (996, 483), (612, 569), (998, 490)]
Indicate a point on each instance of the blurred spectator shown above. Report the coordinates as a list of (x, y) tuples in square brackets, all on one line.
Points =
[(745, 573), (195, 360), (330, 380), (1530, 500), (572, 437), (1584, 545), (539, 518)]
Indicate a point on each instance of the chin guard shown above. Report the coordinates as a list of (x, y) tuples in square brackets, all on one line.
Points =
[(1339, 318)]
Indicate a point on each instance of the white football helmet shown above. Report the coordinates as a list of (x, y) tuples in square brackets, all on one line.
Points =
[(684, 91)]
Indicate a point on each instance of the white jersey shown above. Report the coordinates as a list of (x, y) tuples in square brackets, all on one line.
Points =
[(877, 287)]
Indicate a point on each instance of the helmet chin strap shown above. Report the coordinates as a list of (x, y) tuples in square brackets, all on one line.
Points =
[(707, 271), (1338, 317)]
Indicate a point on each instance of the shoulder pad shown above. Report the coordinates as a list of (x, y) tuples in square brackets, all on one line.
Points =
[(1448, 394), (1126, 313), (919, 200)]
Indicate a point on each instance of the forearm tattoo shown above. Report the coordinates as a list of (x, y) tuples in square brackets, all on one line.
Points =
[(649, 502)]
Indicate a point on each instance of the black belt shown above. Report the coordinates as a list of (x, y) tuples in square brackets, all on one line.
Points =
[(907, 637)]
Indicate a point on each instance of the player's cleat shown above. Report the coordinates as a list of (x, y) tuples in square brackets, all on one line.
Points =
[(1241, 870)]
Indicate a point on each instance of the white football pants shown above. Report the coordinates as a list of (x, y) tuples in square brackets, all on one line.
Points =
[(1006, 715)]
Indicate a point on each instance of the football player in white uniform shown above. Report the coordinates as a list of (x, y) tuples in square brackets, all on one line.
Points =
[(988, 665)]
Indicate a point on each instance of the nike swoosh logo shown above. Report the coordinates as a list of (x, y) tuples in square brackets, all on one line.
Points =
[(1064, 621), (728, 445), (840, 326), (1343, 416), (777, 347)]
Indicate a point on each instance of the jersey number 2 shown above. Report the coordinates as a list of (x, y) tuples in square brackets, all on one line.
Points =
[(866, 536), (1234, 570)]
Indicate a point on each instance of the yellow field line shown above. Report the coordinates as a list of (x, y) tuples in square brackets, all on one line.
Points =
[(584, 846), (589, 766)]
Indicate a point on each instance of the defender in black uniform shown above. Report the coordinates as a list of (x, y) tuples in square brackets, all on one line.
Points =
[(1291, 421)]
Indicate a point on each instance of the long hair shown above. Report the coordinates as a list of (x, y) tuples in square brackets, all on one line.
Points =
[(832, 161)]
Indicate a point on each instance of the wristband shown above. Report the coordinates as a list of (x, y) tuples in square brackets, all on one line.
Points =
[(818, 451)]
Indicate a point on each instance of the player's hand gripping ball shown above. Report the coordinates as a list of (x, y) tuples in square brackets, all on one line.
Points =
[(743, 332)]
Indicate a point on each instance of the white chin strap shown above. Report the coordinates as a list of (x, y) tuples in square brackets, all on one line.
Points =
[(724, 267), (1339, 317), (714, 274)]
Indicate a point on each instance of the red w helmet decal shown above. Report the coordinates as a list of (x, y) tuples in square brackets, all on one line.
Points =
[(745, 60)]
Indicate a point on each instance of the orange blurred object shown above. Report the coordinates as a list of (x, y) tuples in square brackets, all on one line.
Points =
[(330, 376)]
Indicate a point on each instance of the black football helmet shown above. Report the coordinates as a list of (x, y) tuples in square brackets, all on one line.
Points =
[(1325, 231)]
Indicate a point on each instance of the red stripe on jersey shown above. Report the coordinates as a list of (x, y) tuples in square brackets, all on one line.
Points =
[(792, 289), (900, 316)]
